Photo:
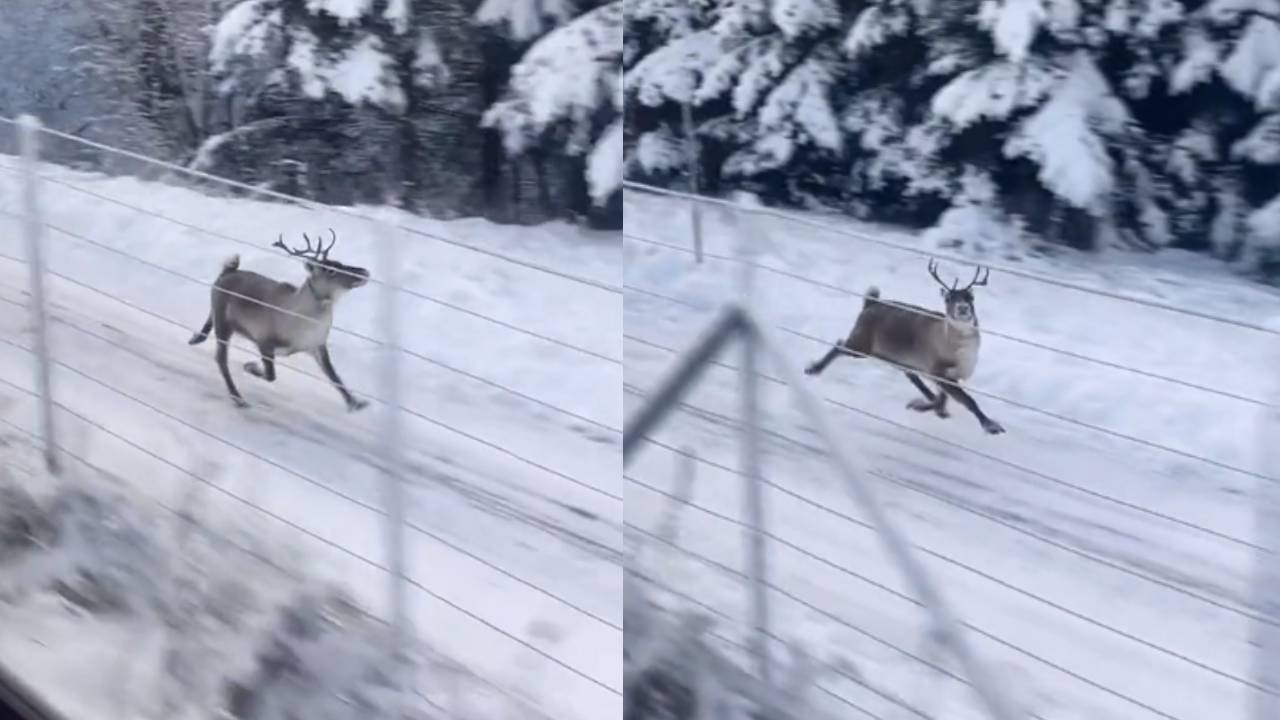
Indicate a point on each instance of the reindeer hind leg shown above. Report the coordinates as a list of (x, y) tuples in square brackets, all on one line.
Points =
[(222, 331), (817, 367), (267, 368)]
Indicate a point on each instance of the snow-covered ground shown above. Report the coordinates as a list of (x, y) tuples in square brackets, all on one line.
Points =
[(1089, 566), (510, 502)]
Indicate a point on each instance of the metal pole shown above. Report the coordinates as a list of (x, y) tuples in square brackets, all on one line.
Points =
[(691, 158), (753, 496), (754, 502), (1266, 572), (33, 230), (393, 491), (948, 628)]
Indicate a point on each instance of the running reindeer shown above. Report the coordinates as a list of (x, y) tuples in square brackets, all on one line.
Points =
[(280, 318), (917, 340)]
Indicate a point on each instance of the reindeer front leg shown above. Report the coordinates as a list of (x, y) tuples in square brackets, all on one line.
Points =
[(937, 403), (326, 364), (955, 391)]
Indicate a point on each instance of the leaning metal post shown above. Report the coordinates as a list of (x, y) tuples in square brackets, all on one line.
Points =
[(948, 628), (688, 369), (33, 230)]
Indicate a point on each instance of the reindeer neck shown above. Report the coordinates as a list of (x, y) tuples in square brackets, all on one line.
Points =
[(308, 297), (962, 330)]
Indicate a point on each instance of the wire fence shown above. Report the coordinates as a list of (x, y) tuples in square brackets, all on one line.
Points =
[(1184, 585), (518, 476)]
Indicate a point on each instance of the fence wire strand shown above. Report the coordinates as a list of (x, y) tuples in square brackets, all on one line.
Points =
[(310, 533), (378, 511), (1067, 419), (853, 627), (414, 413), (981, 454), (232, 343), (372, 280), (292, 576), (922, 252), (943, 557), (964, 507), (986, 330), (313, 205)]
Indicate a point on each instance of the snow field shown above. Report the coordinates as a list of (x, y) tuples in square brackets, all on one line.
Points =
[(1103, 577), (511, 504)]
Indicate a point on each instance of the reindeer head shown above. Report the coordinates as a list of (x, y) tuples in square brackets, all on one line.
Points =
[(327, 277), (959, 300)]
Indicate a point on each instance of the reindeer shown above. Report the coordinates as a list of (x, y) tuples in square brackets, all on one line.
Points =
[(917, 340), (280, 318)]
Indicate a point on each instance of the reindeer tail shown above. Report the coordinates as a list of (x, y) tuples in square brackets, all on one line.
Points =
[(231, 265), (872, 294)]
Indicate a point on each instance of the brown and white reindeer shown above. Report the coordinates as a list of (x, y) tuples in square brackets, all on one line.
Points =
[(281, 318), (918, 340)]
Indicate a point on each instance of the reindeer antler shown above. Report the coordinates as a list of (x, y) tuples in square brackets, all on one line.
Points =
[(316, 253), (325, 253), (933, 270), (975, 282)]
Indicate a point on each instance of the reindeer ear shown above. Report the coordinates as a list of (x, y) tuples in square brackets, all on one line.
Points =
[(942, 292)]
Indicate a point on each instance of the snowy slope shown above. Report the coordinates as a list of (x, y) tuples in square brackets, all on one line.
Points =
[(1085, 562), (549, 520)]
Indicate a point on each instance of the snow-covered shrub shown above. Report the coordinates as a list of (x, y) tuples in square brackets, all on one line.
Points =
[(216, 628), (321, 659), (91, 548), (673, 670)]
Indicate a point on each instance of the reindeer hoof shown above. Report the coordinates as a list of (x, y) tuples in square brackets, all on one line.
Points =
[(922, 405), (992, 427), (240, 402), (811, 370), (253, 368), (942, 412), (197, 339), (356, 405)]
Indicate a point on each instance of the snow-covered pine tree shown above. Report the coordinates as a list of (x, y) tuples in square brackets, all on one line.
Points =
[(323, 92), (781, 74), (902, 52), (669, 48), (1029, 114), (1248, 64), (564, 97), (115, 71)]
